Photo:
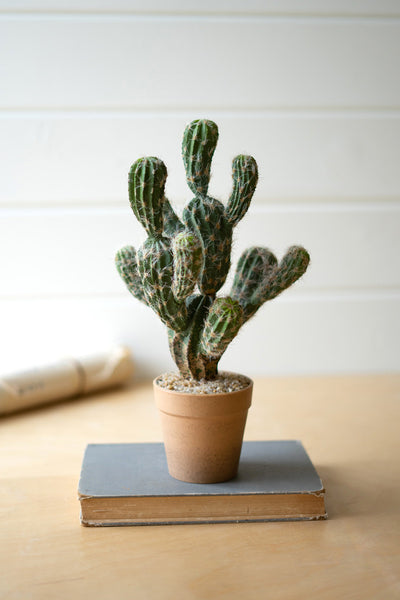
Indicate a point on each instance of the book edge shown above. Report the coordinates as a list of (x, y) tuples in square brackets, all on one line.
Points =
[(318, 493), (222, 521), (319, 513)]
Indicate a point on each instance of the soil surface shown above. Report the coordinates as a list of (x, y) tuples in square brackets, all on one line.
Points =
[(225, 382)]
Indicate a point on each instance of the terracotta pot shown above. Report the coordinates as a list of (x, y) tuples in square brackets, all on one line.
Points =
[(203, 433)]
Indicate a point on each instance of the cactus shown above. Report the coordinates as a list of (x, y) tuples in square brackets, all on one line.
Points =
[(180, 255)]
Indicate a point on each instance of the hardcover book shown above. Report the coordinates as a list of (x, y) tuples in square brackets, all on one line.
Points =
[(129, 484)]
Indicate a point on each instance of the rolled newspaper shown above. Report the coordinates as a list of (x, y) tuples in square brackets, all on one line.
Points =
[(65, 378)]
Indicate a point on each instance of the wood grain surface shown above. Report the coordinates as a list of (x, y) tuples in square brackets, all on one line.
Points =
[(348, 425)]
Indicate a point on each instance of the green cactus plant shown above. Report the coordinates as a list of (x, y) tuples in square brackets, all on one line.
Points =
[(180, 254)]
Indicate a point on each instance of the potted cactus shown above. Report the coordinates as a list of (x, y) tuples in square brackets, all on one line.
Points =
[(178, 271)]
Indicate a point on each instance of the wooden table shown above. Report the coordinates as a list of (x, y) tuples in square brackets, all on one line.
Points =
[(350, 428)]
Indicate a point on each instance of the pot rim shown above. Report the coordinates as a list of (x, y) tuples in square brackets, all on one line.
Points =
[(203, 396)]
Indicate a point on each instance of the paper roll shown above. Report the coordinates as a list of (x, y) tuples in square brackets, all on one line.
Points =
[(65, 378)]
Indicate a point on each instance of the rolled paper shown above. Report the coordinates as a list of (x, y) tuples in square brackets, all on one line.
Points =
[(66, 378)]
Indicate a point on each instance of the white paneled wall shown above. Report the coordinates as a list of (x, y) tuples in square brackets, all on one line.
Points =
[(311, 89)]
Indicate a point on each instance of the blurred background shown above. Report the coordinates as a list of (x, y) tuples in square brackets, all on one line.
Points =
[(310, 88)]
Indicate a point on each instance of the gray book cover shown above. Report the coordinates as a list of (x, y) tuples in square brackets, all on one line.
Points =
[(112, 471)]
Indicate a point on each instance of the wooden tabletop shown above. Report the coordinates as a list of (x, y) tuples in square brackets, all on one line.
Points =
[(350, 428)]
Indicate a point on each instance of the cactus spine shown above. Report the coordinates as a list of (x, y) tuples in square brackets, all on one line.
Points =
[(179, 255)]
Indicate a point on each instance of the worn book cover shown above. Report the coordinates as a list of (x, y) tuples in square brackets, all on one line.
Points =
[(129, 484)]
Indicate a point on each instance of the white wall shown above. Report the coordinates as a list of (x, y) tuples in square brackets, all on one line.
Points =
[(311, 89)]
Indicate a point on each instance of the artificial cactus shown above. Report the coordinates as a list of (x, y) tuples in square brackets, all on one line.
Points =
[(180, 254)]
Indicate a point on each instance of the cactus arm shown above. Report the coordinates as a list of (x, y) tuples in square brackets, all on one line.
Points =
[(146, 184), (205, 217), (126, 264), (276, 279), (245, 177), (188, 260), (252, 272), (172, 224), (292, 266), (223, 322), (198, 146), (155, 266)]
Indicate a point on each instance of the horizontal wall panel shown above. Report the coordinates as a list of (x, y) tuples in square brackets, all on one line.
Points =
[(71, 253), (309, 336), (85, 158), (266, 7), (214, 62)]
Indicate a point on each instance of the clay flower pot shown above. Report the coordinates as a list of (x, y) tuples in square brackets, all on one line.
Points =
[(203, 433)]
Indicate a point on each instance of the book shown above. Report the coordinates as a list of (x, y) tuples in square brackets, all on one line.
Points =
[(129, 484)]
